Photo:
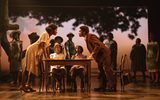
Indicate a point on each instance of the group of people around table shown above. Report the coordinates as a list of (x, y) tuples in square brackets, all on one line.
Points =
[(40, 47), (105, 55)]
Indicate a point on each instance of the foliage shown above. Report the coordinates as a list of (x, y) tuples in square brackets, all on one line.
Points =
[(101, 19)]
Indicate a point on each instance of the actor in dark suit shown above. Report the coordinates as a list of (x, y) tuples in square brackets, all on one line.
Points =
[(101, 54)]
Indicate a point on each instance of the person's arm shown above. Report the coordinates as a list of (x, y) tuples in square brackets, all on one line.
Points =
[(67, 51), (42, 45)]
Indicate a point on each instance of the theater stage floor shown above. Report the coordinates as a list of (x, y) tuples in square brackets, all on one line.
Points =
[(133, 91)]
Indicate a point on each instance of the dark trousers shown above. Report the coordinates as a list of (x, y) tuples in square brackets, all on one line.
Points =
[(68, 79), (78, 72), (102, 76)]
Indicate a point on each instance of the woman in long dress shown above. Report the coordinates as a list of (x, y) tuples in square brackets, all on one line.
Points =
[(34, 56), (152, 59)]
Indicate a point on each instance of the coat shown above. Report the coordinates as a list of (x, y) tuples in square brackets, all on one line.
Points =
[(101, 56)]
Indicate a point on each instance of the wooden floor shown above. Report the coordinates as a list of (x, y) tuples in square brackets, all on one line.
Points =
[(133, 91)]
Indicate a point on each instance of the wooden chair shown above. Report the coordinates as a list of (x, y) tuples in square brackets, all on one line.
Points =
[(120, 72), (42, 77)]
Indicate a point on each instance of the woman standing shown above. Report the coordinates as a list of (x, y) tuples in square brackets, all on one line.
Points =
[(152, 59)]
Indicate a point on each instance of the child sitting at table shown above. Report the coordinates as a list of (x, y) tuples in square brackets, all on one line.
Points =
[(78, 70), (58, 71)]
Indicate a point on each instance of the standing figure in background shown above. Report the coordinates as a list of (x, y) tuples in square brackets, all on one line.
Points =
[(69, 46), (138, 59), (70, 51), (78, 70), (152, 58), (101, 54), (15, 57), (112, 45), (33, 37)]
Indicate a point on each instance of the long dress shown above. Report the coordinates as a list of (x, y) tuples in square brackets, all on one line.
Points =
[(34, 54), (152, 50)]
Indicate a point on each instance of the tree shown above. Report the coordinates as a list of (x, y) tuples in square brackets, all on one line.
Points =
[(102, 19), (5, 26)]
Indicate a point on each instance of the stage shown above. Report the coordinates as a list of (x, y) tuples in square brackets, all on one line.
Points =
[(133, 91)]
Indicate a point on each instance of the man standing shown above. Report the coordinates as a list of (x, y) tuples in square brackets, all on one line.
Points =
[(112, 45), (138, 59), (70, 51), (101, 54)]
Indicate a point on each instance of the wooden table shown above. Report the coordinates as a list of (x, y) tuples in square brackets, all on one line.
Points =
[(84, 62)]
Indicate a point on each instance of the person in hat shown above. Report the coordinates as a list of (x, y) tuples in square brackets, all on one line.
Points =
[(33, 37), (70, 51), (58, 39), (15, 56), (33, 56)]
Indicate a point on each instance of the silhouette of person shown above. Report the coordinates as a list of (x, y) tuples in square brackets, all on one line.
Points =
[(112, 45), (16, 56), (138, 58)]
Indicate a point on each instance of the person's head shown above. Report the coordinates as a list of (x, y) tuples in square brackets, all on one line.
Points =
[(52, 41), (15, 35), (138, 41), (110, 36), (79, 49), (84, 30), (151, 37), (33, 37), (51, 29), (58, 39), (58, 48), (70, 35)]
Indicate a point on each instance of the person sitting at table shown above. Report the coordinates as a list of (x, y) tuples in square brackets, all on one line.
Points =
[(58, 71), (78, 70)]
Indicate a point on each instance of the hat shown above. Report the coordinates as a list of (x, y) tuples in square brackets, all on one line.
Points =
[(13, 33), (58, 38), (33, 35), (70, 35)]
